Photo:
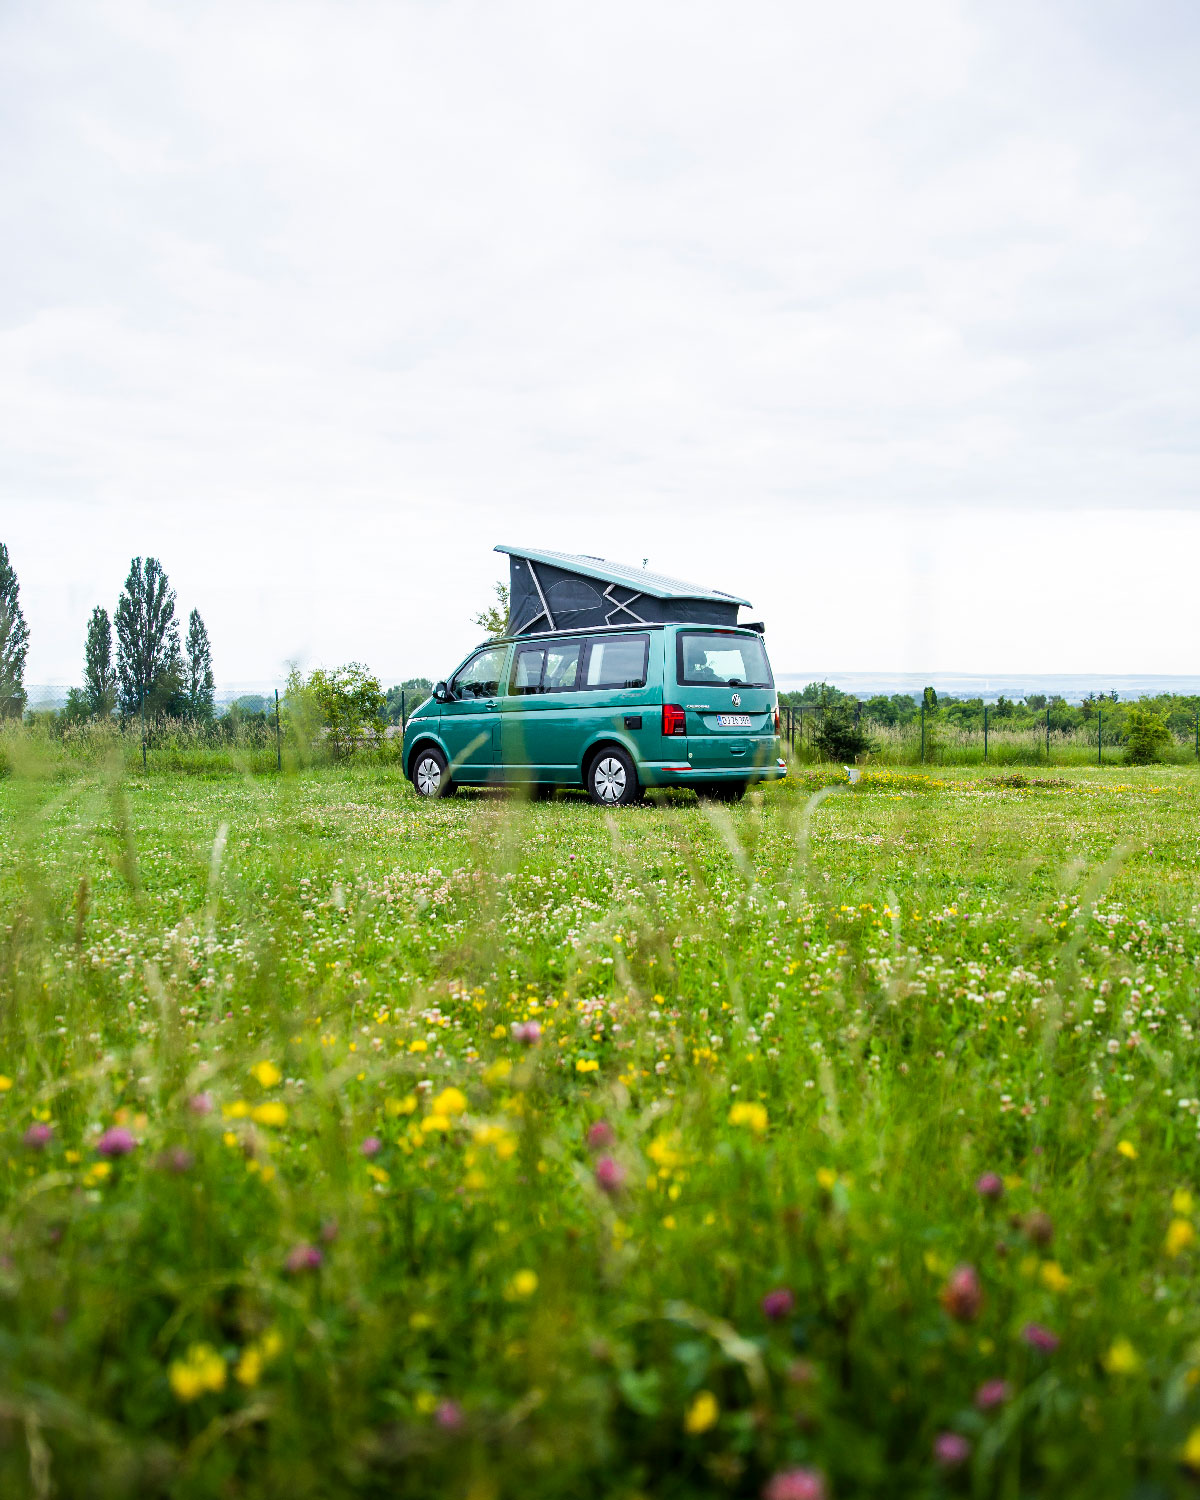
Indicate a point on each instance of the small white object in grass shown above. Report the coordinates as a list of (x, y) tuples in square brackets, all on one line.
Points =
[(853, 772)]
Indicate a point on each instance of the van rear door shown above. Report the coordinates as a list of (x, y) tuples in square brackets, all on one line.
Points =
[(726, 689)]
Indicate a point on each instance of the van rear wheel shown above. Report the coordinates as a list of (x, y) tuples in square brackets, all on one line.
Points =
[(612, 779)]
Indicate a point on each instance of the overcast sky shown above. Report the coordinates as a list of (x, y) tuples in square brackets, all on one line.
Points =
[(885, 316)]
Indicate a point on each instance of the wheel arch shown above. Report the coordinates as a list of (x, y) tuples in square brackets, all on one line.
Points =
[(420, 743), (604, 741)]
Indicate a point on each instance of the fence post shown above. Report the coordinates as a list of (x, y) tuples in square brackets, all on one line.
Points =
[(1047, 734), (985, 709), (1100, 736), (278, 741), (143, 728), (922, 734), (1198, 734), (403, 721)]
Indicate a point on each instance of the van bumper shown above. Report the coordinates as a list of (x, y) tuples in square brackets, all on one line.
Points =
[(679, 773)]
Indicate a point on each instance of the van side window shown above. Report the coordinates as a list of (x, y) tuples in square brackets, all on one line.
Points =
[(527, 670), (562, 666), (552, 668), (617, 661)]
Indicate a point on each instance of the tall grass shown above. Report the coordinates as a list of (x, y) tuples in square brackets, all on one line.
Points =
[(841, 1143), (171, 746)]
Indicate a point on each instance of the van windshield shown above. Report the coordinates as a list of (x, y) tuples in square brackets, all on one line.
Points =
[(724, 660)]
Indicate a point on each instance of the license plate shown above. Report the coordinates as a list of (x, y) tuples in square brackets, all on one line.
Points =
[(733, 721)]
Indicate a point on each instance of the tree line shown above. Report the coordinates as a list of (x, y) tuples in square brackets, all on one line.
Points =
[(1177, 710), (151, 671)]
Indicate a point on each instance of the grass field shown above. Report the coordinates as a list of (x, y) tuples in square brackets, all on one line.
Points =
[(840, 1144)]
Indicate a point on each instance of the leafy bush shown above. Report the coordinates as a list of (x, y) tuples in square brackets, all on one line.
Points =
[(1147, 737), (837, 736), (345, 706)]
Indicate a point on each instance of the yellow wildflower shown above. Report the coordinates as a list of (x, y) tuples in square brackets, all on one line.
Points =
[(271, 1113), (586, 1065), (498, 1071), (1190, 1453), (450, 1102), (5, 1083), (436, 1122), (420, 1045), (237, 1110), (267, 1074), (1054, 1278), (662, 1151), (200, 1370), (1127, 1149), (1122, 1358), (1181, 1201), (753, 1116), (426, 1402), (405, 1106), (249, 1368), (1180, 1234), (702, 1414), (523, 1284), (826, 1178)]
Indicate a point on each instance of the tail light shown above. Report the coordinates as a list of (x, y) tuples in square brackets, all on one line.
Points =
[(777, 728), (674, 719)]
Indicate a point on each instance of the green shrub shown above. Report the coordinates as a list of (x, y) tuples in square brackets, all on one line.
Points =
[(838, 736), (1147, 737)]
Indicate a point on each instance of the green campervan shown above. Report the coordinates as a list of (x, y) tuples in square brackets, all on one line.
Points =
[(613, 679)]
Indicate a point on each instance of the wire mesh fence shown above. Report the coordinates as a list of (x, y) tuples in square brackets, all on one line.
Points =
[(932, 738)]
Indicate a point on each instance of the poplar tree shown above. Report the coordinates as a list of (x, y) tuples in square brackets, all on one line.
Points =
[(148, 657), (14, 642), (99, 678), (198, 672)]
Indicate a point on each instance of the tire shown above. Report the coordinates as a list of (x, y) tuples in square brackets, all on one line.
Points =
[(612, 779), (722, 791), (429, 777)]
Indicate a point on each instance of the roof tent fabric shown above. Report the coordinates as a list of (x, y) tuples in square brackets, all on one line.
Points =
[(565, 591)]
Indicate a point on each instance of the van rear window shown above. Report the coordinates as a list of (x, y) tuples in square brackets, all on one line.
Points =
[(617, 661), (707, 658)]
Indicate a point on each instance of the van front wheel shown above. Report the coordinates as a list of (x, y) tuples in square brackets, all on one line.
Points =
[(430, 776), (612, 779)]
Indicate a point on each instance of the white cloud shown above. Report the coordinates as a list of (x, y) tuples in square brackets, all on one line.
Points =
[(317, 302)]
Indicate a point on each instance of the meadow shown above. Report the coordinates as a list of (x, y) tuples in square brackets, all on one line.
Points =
[(841, 1143)]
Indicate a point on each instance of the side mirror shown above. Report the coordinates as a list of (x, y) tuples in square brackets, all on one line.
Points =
[(441, 693)]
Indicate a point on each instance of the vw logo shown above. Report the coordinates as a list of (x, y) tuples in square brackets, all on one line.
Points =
[(737, 700)]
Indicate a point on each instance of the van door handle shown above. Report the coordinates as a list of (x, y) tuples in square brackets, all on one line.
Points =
[(491, 703)]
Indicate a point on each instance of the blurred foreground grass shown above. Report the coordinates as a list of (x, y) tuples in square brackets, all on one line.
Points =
[(840, 1144)]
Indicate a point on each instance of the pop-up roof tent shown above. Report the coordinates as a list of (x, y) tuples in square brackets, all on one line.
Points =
[(564, 591)]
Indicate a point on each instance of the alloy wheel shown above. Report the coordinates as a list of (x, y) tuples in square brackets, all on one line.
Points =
[(609, 779)]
